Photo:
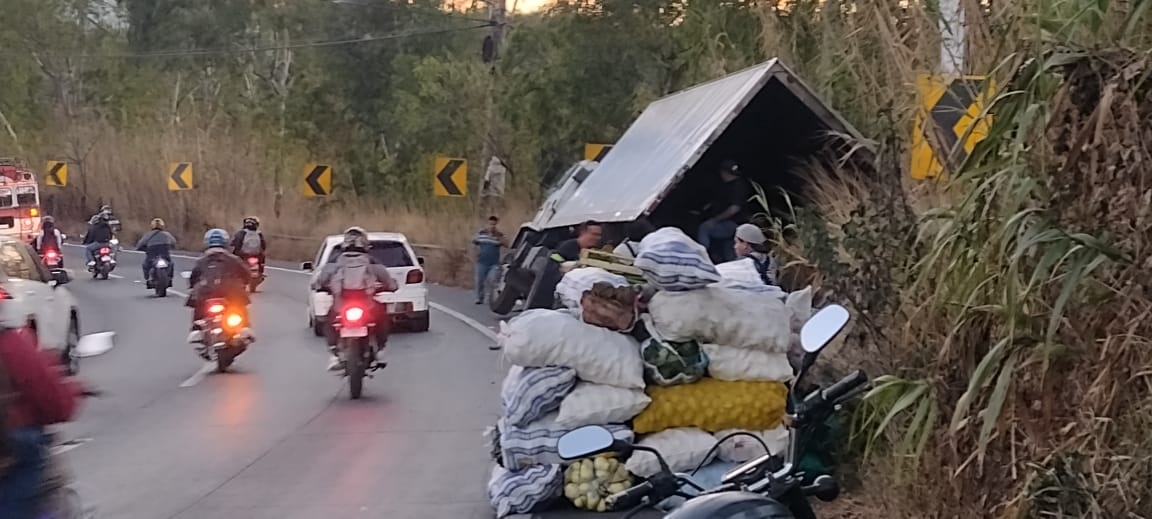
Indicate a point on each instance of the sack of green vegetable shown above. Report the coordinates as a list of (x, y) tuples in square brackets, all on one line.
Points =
[(588, 481), (670, 363)]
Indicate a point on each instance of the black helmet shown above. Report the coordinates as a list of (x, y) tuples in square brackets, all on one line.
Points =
[(732, 505)]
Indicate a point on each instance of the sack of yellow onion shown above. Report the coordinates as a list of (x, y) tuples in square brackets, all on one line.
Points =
[(588, 481)]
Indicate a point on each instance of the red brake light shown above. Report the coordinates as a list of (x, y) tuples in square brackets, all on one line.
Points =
[(415, 276), (216, 308), (105, 250), (353, 314), (253, 261), (51, 254), (4, 294)]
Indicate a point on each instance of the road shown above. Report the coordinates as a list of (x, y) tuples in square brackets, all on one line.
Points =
[(278, 437)]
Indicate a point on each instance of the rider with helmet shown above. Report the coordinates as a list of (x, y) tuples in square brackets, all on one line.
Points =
[(355, 275), (217, 274), (249, 242), (157, 243), (49, 237), (102, 228)]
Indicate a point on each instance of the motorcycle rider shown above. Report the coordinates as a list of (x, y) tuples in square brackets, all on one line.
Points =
[(355, 275), (102, 228), (34, 394), (249, 242), (49, 237), (218, 274), (157, 243)]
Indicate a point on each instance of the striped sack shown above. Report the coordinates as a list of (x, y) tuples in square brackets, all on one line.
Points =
[(530, 393), (535, 444), (519, 492), (672, 261)]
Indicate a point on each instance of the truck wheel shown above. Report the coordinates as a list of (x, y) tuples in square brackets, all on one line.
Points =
[(501, 297)]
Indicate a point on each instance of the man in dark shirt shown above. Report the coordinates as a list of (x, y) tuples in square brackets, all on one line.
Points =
[(725, 213), (588, 236)]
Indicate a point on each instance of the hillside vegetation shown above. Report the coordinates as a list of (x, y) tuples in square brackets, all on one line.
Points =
[(1007, 307)]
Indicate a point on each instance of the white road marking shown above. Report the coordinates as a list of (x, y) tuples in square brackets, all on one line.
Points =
[(477, 325), (199, 375), (67, 446)]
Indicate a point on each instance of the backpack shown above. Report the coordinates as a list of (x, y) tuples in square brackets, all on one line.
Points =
[(353, 273), (251, 245), (213, 272)]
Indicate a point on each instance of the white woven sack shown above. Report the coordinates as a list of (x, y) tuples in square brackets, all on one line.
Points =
[(598, 404), (743, 270), (670, 260), (522, 491), (683, 448), (800, 304), (550, 338), (721, 315), (573, 285), (727, 363), (740, 449)]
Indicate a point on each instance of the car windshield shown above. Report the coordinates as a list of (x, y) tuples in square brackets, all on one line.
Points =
[(386, 252), (26, 196), (5, 197)]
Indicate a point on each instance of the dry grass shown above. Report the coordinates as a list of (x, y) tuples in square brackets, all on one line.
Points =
[(235, 178)]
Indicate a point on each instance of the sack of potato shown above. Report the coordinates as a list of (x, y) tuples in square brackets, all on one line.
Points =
[(713, 405), (588, 481)]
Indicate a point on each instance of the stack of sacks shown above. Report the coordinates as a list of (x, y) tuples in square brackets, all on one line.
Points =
[(744, 333), (567, 374), (574, 284)]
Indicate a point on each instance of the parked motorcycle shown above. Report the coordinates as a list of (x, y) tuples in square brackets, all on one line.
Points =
[(771, 486), (160, 277), (256, 276), (356, 325), (105, 259)]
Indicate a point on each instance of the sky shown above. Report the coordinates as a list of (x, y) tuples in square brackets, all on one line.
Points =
[(528, 5)]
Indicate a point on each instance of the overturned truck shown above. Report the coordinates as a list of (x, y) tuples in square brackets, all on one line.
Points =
[(764, 118)]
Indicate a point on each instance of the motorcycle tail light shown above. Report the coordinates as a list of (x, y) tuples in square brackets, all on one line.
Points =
[(105, 250), (216, 308), (415, 276), (51, 254), (234, 321), (253, 261), (353, 314)]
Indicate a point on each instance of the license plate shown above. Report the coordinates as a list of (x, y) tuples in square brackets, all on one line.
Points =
[(106, 259), (356, 331)]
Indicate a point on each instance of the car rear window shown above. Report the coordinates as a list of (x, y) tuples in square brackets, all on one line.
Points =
[(387, 253)]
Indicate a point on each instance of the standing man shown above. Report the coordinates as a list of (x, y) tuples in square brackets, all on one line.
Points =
[(488, 242), (725, 212)]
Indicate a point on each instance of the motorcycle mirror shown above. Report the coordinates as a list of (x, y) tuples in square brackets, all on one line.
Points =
[(186, 274), (584, 441), (95, 344), (822, 327)]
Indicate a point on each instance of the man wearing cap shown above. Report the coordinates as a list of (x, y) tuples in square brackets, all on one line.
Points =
[(725, 212), (752, 244)]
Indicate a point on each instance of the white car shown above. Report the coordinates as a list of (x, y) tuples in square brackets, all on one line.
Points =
[(407, 306), (33, 296)]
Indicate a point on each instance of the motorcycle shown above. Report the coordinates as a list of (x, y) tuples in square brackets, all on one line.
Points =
[(160, 277), (225, 333), (355, 325), (105, 260), (770, 486), (52, 259), (256, 276)]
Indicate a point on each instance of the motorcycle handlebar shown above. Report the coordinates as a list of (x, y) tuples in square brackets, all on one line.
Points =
[(630, 497), (844, 386)]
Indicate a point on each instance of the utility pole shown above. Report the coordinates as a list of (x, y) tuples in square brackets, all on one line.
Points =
[(493, 46), (952, 29)]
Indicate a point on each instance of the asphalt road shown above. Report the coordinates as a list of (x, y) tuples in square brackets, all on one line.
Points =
[(278, 437)]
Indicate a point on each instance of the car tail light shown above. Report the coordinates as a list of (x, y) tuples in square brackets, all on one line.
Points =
[(215, 308), (353, 314), (234, 321), (415, 276), (4, 294), (253, 261)]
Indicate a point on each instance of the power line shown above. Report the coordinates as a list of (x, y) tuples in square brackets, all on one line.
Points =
[(304, 45)]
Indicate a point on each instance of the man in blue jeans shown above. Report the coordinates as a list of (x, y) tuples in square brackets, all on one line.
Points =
[(725, 212), (488, 242)]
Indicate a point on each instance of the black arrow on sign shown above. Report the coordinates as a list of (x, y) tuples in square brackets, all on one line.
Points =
[(951, 107), (54, 174), (178, 176), (313, 180), (445, 177), (603, 151)]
